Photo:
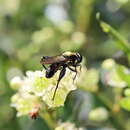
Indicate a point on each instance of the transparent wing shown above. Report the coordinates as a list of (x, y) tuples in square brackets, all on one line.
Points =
[(51, 60)]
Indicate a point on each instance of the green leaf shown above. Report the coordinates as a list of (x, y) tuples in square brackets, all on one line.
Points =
[(125, 103), (122, 43), (106, 28), (124, 74)]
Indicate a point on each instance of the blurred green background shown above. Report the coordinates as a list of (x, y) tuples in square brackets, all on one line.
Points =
[(30, 29)]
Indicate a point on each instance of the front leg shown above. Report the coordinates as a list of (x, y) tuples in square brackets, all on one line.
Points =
[(44, 66), (42, 61), (74, 70), (71, 69), (61, 75), (79, 66)]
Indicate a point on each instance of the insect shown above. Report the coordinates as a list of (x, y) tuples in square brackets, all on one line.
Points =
[(68, 60)]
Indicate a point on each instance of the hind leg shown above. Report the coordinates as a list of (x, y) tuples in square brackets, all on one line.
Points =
[(61, 75)]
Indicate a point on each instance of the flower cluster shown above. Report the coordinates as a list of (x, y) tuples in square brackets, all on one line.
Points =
[(88, 79), (35, 89), (110, 74), (118, 76)]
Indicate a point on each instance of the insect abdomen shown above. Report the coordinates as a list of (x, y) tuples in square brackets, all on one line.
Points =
[(49, 73), (51, 70)]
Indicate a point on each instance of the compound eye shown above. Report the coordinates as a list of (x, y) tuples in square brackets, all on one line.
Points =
[(79, 57)]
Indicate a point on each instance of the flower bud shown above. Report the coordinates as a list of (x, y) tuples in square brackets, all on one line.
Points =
[(16, 82), (127, 92), (108, 64), (99, 114)]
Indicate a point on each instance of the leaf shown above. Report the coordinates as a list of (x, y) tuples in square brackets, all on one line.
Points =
[(124, 74), (122, 43), (125, 103)]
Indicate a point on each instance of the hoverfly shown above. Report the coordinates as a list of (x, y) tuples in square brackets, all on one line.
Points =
[(68, 60)]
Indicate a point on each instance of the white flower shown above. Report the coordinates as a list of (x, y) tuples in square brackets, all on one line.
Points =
[(65, 86), (36, 86), (16, 82), (24, 103)]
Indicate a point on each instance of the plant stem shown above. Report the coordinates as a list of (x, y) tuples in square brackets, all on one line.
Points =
[(48, 119)]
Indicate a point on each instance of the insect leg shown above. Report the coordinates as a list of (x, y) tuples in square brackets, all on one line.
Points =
[(75, 74), (79, 66), (74, 70), (42, 61), (44, 66), (62, 73), (71, 69)]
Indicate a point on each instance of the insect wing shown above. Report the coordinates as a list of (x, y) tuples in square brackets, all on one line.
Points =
[(54, 59)]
